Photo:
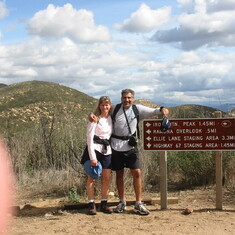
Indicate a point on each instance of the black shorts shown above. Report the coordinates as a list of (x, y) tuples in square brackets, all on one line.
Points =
[(129, 159), (105, 160)]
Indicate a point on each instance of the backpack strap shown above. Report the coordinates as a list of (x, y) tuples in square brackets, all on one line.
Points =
[(117, 107), (137, 115), (136, 112)]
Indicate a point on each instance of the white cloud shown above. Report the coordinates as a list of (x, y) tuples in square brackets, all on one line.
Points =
[(191, 78), (3, 10), (218, 5), (200, 27), (156, 72), (208, 5), (66, 21), (98, 69), (152, 66), (145, 19), (66, 62), (186, 5), (200, 22)]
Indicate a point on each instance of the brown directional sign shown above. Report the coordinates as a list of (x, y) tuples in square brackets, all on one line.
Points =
[(190, 134)]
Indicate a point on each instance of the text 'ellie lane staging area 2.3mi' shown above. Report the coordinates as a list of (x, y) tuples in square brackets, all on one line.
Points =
[(190, 134)]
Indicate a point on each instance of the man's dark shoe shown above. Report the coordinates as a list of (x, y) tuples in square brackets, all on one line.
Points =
[(92, 208), (104, 207)]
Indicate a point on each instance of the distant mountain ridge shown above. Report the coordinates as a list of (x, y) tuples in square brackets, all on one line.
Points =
[(225, 107), (2, 85), (23, 105), (184, 111)]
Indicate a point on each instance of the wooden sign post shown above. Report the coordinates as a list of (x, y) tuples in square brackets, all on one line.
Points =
[(219, 174), (163, 179)]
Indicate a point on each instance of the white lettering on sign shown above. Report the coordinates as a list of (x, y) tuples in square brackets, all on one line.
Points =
[(189, 124), (188, 131), (163, 145), (161, 138), (192, 145), (211, 145), (174, 124), (188, 137), (156, 131), (157, 124), (174, 138), (228, 137), (228, 145), (178, 145), (207, 123), (212, 137), (211, 131)]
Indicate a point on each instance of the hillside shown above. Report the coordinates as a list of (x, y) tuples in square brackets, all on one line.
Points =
[(23, 105), (193, 111), (232, 113), (226, 107), (184, 111), (2, 85), (146, 103)]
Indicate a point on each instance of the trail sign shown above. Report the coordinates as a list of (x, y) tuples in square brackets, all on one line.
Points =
[(190, 134)]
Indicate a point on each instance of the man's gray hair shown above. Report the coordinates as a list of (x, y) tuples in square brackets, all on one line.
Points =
[(125, 91)]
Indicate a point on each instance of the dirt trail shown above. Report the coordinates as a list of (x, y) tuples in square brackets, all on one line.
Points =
[(46, 217)]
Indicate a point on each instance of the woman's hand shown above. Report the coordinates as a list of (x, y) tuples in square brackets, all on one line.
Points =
[(94, 162)]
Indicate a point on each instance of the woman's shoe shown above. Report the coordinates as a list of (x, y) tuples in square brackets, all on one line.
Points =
[(92, 208), (104, 207)]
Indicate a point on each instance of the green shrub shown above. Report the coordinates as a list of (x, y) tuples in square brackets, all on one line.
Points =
[(195, 168), (73, 196)]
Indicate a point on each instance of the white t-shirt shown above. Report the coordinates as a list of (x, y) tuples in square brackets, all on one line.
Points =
[(120, 127)]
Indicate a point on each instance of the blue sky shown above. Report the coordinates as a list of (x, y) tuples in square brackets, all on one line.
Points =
[(169, 52)]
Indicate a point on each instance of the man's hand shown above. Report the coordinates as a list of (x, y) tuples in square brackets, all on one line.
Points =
[(92, 117), (165, 112)]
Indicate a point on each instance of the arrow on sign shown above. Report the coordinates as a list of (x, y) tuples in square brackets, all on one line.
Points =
[(148, 131), (148, 138), (148, 124), (149, 145)]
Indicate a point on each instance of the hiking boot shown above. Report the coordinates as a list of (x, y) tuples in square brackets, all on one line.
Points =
[(120, 207), (104, 207), (141, 209), (92, 208)]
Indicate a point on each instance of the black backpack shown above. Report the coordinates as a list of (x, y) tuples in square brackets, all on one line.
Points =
[(135, 110)]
